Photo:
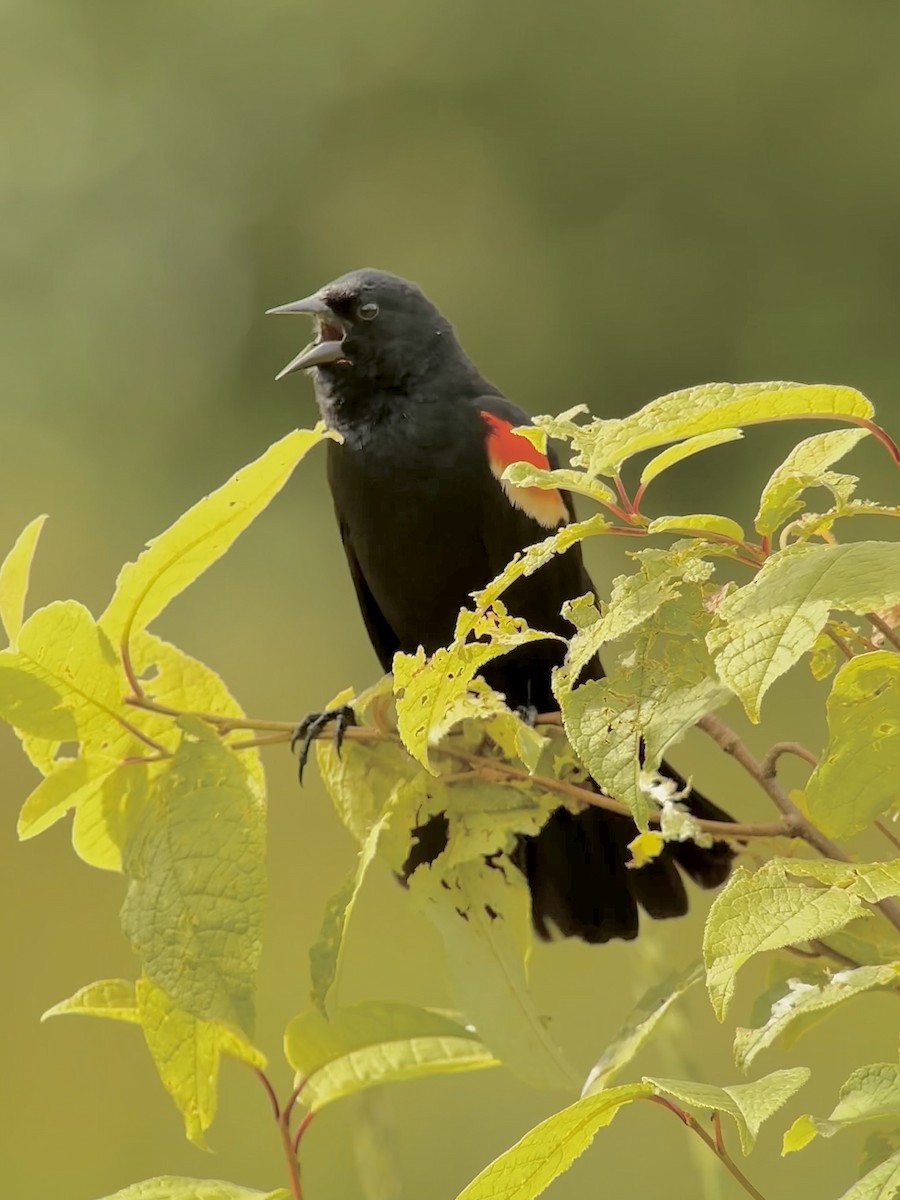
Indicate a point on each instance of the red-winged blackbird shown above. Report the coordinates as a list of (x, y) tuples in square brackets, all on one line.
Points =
[(426, 520)]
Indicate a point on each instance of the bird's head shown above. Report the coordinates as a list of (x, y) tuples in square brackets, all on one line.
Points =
[(373, 330)]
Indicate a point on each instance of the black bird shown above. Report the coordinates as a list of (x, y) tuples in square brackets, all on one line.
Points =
[(425, 520)]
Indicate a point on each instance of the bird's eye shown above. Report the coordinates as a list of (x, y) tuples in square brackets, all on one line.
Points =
[(368, 311)]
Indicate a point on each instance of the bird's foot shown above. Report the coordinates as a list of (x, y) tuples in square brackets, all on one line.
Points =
[(528, 714), (312, 725)]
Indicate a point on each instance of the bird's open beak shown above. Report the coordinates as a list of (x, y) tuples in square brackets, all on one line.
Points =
[(328, 346)]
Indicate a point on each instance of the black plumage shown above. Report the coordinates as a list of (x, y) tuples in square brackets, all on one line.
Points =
[(425, 521)]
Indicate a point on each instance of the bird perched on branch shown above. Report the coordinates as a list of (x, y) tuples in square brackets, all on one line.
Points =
[(426, 520)]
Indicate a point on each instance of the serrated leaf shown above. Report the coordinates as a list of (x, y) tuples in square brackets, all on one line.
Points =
[(870, 1093), (325, 952), (881, 1183), (765, 911), (867, 881), (549, 1149), (426, 687), (114, 999), (187, 1053), (748, 1104), (768, 624), (603, 446), (692, 445), (482, 912), (640, 1026), (803, 1000), (196, 893), (803, 468), (373, 1043), (62, 647), (105, 814), (824, 658), (14, 575), (856, 778), (700, 525), (179, 1187), (622, 725), (175, 558), (522, 474)]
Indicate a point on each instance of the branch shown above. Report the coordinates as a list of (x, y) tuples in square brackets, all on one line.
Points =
[(717, 1146), (884, 629), (729, 741)]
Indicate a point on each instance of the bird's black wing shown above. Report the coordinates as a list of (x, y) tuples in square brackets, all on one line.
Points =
[(384, 641)]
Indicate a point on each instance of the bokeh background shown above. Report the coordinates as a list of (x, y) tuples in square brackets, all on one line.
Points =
[(611, 200)]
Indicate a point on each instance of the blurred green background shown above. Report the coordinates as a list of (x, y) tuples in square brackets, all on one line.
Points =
[(611, 200)]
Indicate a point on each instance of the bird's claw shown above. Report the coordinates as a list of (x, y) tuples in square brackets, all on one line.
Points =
[(528, 714), (313, 724)]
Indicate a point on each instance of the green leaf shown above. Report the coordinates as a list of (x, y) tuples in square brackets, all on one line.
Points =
[(196, 892), (33, 706), (549, 1149), (867, 881), (425, 688), (187, 1053), (764, 911), (325, 952), (522, 474), (54, 796), (870, 1093), (700, 525), (482, 912), (649, 699), (640, 1026), (768, 624), (373, 1043), (111, 998), (803, 468), (603, 446), (856, 778), (105, 811), (14, 575), (790, 1014), (179, 1187), (178, 556), (881, 1183), (62, 647), (748, 1104), (693, 445)]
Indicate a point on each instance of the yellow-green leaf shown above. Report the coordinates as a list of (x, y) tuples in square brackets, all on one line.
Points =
[(803, 468), (870, 1093), (748, 1104), (426, 688), (764, 911), (641, 1024), (804, 1000), (549, 1149), (376, 1042), (482, 912), (603, 446), (174, 560), (196, 893), (179, 1187), (645, 847), (522, 474), (700, 525), (325, 952), (187, 1053), (881, 1183), (14, 575), (111, 998), (692, 445), (856, 778), (768, 624)]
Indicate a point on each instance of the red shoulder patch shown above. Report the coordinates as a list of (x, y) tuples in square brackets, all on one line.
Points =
[(504, 447)]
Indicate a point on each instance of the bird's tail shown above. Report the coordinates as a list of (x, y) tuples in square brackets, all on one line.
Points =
[(581, 887)]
